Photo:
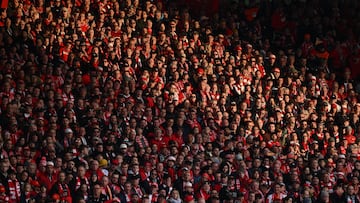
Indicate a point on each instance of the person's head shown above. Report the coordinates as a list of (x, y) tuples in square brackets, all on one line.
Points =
[(288, 199), (12, 174), (81, 171), (115, 178), (206, 186), (94, 165), (339, 190), (84, 188), (277, 187), (324, 196), (161, 198), (135, 197), (50, 167), (4, 166), (135, 180), (105, 181), (350, 190), (175, 194), (97, 190), (145, 199), (62, 176)]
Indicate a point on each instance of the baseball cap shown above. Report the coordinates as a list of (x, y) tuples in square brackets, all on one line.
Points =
[(188, 184), (50, 163), (171, 158), (103, 162), (68, 130), (123, 146)]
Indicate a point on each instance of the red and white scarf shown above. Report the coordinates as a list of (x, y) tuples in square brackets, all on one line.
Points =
[(78, 183), (14, 188)]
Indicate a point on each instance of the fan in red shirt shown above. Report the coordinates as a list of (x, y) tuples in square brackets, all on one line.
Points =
[(94, 169), (49, 177)]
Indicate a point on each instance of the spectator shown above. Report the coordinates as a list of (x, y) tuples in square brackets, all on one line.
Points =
[(61, 188), (49, 177), (136, 101)]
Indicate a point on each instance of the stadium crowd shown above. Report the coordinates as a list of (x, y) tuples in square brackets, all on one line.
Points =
[(156, 101)]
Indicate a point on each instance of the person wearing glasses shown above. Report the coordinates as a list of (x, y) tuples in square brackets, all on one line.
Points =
[(98, 197)]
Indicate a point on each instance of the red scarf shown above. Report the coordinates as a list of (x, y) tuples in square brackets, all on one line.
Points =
[(154, 197), (107, 192), (64, 192), (78, 183), (14, 188), (4, 198), (138, 191), (276, 197), (128, 198)]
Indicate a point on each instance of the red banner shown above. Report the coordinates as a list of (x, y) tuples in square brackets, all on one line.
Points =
[(4, 3)]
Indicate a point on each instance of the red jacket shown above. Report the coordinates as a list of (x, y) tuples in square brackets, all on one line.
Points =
[(48, 181)]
